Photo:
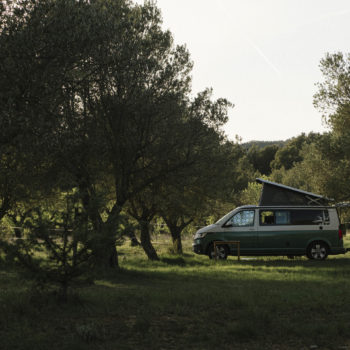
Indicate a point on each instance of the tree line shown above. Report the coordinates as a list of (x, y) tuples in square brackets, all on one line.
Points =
[(101, 135)]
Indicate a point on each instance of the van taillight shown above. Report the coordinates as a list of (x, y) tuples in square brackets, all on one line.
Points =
[(340, 233)]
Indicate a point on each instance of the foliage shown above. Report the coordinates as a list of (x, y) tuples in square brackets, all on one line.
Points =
[(323, 170), (262, 144), (95, 96), (261, 158), (333, 92), (251, 194), (290, 154), (191, 197), (56, 244), (331, 152)]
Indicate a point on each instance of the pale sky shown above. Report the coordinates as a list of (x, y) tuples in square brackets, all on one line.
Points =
[(262, 55)]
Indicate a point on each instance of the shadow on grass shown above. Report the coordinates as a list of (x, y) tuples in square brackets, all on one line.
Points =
[(178, 261), (181, 268), (148, 304), (332, 263)]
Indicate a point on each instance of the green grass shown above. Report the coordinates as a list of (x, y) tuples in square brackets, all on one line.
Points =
[(186, 302)]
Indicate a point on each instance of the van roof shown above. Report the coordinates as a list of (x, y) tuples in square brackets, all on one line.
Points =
[(286, 207), (277, 194)]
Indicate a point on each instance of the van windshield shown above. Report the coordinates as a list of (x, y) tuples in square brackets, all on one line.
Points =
[(231, 213), (224, 218)]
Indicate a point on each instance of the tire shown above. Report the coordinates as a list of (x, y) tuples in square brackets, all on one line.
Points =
[(317, 251), (221, 252)]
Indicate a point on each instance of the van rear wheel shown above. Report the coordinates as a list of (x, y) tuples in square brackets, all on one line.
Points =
[(317, 251), (221, 252)]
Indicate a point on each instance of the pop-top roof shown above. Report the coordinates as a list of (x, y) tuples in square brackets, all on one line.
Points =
[(277, 194)]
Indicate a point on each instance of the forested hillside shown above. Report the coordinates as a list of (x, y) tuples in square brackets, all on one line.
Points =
[(263, 144)]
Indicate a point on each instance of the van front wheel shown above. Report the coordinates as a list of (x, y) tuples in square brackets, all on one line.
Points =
[(317, 251), (221, 252)]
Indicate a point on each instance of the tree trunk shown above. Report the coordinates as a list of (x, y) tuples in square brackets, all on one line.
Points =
[(113, 257), (63, 292), (105, 252), (175, 232), (176, 226), (133, 239), (5, 206), (146, 241)]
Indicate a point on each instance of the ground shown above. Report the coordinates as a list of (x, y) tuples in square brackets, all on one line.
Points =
[(185, 302)]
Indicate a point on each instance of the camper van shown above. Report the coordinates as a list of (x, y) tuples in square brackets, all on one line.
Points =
[(287, 221)]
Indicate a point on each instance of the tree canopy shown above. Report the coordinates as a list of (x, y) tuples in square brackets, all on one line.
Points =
[(96, 99)]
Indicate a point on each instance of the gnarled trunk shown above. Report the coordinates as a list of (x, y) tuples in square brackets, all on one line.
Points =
[(146, 241), (113, 257), (105, 253), (175, 232), (176, 226), (105, 245)]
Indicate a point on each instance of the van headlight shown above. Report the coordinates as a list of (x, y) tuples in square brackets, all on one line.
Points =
[(200, 235)]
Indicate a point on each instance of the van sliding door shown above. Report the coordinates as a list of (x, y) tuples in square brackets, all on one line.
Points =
[(274, 234), (288, 231)]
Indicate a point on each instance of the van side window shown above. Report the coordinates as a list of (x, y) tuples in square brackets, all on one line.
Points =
[(267, 217), (307, 217), (282, 217), (294, 217), (242, 219), (275, 217)]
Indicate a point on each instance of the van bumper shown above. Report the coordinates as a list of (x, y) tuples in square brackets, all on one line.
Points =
[(338, 250), (197, 248)]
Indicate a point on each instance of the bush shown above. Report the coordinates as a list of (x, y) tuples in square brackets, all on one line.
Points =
[(56, 246)]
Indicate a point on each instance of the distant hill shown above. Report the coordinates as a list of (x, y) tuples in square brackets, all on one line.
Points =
[(262, 144)]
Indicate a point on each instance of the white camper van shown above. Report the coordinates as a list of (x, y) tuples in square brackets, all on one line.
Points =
[(287, 221)]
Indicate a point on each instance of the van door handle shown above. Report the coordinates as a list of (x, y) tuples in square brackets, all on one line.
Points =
[(252, 229)]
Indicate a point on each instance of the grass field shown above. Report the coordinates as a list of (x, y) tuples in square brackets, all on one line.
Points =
[(186, 302)]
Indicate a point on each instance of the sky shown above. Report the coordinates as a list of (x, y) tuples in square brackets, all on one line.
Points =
[(263, 56)]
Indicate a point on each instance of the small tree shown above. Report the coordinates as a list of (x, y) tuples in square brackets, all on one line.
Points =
[(56, 245)]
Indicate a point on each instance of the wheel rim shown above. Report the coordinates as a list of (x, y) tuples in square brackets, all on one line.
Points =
[(220, 252), (318, 251)]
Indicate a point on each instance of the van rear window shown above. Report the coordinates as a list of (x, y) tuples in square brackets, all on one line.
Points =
[(294, 217), (306, 217)]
